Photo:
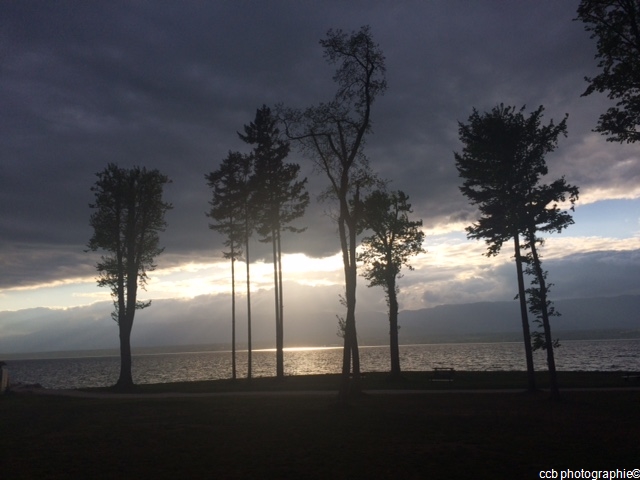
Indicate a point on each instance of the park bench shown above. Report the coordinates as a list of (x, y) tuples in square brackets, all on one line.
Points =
[(631, 376), (443, 374)]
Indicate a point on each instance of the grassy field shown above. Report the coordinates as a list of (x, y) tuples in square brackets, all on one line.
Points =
[(400, 436)]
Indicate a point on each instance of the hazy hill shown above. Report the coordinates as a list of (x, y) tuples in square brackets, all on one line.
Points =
[(609, 314), (205, 320)]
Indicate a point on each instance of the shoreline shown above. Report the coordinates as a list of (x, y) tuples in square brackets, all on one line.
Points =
[(423, 382)]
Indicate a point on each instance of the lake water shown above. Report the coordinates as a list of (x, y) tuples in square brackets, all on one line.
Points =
[(98, 371)]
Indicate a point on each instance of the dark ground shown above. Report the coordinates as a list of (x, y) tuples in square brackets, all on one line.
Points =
[(400, 436)]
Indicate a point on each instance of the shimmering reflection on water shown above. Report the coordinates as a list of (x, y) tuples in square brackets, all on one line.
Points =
[(175, 367)]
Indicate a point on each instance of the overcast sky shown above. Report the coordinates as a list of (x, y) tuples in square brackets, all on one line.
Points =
[(168, 84)]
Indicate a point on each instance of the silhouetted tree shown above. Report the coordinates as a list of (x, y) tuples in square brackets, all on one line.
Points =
[(227, 209), (128, 215), (333, 135), (543, 215), (279, 198), (235, 177), (616, 26), (394, 240), (502, 160)]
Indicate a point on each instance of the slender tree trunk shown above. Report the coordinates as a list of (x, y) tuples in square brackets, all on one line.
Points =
[(352, 274), (281, 304), (393, 329), (276, 284), (350, 353), (246, 247), (233, 313), (525, 318), (551, 363)]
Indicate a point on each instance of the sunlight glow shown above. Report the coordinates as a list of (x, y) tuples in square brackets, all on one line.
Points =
[(451, 263), (299, 262), (593, 195), (560, 246), (215, 278)]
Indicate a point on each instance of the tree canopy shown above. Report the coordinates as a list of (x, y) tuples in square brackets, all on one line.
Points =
[(615, 24), (501, 163), (394, 239)]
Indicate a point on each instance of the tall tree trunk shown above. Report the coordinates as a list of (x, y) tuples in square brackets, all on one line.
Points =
[(249, 360), (281, 304), (393, 328), (276, 284), (356, 387), (350, 379), (233, 313), (551, 363), (528, 349)]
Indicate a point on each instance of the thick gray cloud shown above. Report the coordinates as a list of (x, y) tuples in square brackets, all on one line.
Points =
[(168, 84)]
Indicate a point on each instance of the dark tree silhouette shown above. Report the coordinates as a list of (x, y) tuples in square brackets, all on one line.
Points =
[(227, 209), (502, 160), (394, 240), (333, 135), (128, 215), (234, 179), (616, 26), (542, 214), (279, 198)]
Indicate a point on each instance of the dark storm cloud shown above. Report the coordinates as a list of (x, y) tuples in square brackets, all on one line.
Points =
[(167, 85)]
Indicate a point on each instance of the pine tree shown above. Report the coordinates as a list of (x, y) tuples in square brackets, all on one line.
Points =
[(226, 211), (281, 199), (232, 207), (502, 162)]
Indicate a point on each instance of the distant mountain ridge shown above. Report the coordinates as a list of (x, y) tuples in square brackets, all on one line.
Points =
[(205, 320), (620, 313)]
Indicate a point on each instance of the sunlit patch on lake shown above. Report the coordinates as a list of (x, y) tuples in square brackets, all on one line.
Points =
[(297, 349)]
